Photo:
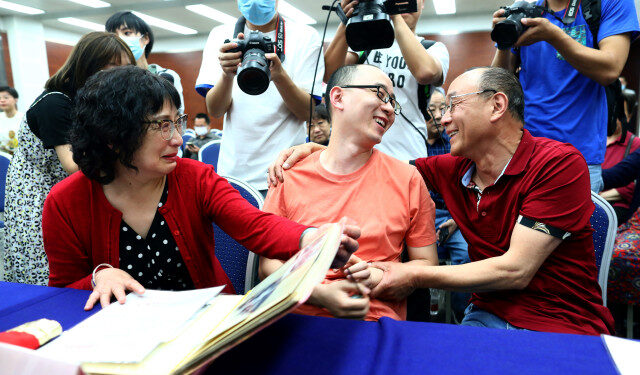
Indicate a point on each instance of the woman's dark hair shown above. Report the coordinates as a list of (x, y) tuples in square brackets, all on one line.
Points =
[(321, 113), (133, 22), (9, 90), (109, 118), (93, 52)]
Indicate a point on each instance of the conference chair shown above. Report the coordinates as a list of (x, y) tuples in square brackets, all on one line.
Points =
[(240, 264), (209, 153), (217, 132), (604, 224)]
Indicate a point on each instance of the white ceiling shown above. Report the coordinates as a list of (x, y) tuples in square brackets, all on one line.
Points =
[(174, 11)]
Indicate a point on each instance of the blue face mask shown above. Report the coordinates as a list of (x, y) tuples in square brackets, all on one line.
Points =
[(134, 45), (258, 12)]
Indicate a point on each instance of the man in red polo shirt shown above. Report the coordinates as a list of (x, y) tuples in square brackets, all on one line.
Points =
[(523, 204)]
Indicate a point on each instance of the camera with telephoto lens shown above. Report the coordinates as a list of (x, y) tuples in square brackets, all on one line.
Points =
[(506, 32), (253, 74), (370, 27)]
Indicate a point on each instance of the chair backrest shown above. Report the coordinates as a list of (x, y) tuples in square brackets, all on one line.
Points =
[(209, 153), (186, 137), (604, 224), (217, 132), (240, 264), (5, 159)]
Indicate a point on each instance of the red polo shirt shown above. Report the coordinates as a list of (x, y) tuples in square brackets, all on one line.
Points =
[(614, 155), (547, 181)]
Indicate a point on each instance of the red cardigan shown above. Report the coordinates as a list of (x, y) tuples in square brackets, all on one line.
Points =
[(81, 229)]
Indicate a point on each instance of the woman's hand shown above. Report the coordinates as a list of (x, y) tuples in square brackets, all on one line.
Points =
[(359, 271), (343, 299), (287, 158), (112, 281)]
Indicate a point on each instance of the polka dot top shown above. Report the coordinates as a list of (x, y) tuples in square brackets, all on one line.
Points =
[(155, 261)]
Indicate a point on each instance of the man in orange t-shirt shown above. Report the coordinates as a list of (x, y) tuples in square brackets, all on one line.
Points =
[(384, 196)]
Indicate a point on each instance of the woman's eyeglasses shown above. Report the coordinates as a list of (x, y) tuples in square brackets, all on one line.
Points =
[(167, 127)]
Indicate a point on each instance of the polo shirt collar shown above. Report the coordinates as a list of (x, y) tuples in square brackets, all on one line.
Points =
[(522, 155)]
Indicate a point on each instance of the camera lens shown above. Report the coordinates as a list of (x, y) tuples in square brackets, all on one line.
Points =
[(254, 74), (506, 33)]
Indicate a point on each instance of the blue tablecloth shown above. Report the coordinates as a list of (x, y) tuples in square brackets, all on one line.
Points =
[(310, 345)]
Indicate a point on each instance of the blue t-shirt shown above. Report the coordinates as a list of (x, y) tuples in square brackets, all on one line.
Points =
[(560, 102)]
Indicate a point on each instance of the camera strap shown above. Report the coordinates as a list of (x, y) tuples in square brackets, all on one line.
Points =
[(279, 34), (570, 12)]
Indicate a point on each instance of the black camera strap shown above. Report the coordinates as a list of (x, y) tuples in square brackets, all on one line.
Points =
[(570, 12), (279, 34)]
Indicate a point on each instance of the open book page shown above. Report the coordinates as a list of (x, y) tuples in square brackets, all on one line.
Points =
[(129, 332)]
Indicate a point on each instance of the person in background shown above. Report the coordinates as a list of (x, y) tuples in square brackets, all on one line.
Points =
[(257, 127), (350, 178), (619, 145), (203, 136), (43, 157), (145, 215), (10, 119), (139, 37), (564, 72), (320, 127)]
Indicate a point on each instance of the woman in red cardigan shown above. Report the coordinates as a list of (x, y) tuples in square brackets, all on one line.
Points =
[(136, 215)]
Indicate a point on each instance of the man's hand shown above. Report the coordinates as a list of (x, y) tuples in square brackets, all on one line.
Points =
[(342, 298), (348, 6), (287, 158), (396, 283), (359, 271), (112, 281), (193, 148), (277, 71), (540, 29), (348, 242), (498, 16), (450, 225), (230, 61)]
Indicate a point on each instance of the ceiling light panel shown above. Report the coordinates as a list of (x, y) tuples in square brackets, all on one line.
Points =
[(166, 24), (82, 23), (92, 3), (211, 13), (20, 8)]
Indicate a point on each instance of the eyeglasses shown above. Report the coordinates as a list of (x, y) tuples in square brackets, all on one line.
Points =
[(381, 93), (451, 105), (167, 127)]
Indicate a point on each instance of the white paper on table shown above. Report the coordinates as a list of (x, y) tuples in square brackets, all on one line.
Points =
[(18, 360), (127, 333), (624, 354)]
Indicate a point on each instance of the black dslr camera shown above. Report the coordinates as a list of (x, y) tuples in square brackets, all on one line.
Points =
[(506, 32), (370, 27), (253, 74)]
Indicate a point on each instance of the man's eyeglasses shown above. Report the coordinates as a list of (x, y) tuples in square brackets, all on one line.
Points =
[(167, 127), (381, 93), (451, 104)]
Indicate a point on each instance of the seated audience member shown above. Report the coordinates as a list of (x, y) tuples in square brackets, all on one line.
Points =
[(350, 178), (320, 127), (137, 216), (43, 157), (10, 119), (524, 206), (139, 37), (203, 136), (451, 244), (622, 174), (620, 144)]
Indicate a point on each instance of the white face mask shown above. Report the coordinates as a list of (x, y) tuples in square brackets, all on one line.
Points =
[(200, 130)]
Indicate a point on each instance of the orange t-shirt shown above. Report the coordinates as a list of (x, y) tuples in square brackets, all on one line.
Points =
[(387, 198)]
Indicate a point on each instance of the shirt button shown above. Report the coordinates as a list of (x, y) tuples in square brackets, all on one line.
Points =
[(484, 213), (176, 232)]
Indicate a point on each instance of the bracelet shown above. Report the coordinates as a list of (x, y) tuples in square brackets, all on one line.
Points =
[(93, 274)]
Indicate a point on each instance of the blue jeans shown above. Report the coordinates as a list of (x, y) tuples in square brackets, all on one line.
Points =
[(595, 176), (456, 249), (476, 317)]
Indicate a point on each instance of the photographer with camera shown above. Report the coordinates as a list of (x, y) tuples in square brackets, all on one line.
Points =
[(257, 125), (564, 79), (414, 65)]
